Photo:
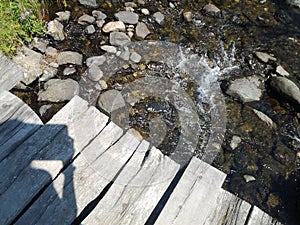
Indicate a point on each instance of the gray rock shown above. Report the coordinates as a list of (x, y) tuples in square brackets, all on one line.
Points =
[(247, 89), (95, 60), (44, 108), (86, 19), (50, 51), (40, 44), (145, 11), (63, 16), (141, 31), (69, 57), (56, 30), (99, 15), (125, 54), (249, 178), (281, 71), (103, 84), (111, 100), (119, 39), (188, 16), (100, 23), (264, 57), (264, 118), (89, 3), (69, 71), (114, 26), (54, 64), (210, 8), (48, 73), (286, 88), (57, 90), (31, 63), (295, 3), (135, 57), (90, 29), (130, 4), (108, 48), (159, 17), (235, 141), (94, 73), (127, 17)]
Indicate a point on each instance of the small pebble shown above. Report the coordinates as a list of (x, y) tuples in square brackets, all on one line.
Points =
[(145, 11), (69, 71), (249, 178)]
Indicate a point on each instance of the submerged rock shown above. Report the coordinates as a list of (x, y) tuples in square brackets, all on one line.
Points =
[(211, 9), (127, 17), (264, 57), (119, 39), (235, 141), (295, 3), (264, 118), (89, 3), (281, 71), (159, 17), (57, 90), (69, 57), (30, 61), (286, 88), (188, 16), (141, 31), (247, 89), (111, 100)]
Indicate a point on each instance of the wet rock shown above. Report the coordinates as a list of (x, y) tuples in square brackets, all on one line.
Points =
[(69, 57), (109, 48), (114, 26), (295, 3), (99, 15), (63, 16), (89, 3), (211, 9), (111, 100), (273, 200), (48, 73), (69, 71), (127, 17), (40, 44), (95, 60), (94, 73), (100, 23), (235, 141), (281, 71), (264, 118), (135, 57), (188, 16), (249, 178), (130, 4), (247, 89), (283, 154), (119, 39), (56, 30), (159, 17), (86, 19), (141, 31), (57, 90), (264, 57), (30, 61), (44, 108), (145, 11), (141, 2), (50, 51), (90, 29), (286, 88), (125, 54)]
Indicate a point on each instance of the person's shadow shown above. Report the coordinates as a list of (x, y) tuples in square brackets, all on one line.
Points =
[(36, 178)]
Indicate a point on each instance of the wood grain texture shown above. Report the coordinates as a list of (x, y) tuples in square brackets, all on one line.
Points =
[(258, 217)]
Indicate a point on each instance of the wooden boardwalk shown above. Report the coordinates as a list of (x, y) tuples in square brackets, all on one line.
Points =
[(81, 168)]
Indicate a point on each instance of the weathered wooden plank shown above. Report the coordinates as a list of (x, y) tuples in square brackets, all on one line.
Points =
[(229, 210), (10, 74), (137, 189), (18, 123), (69, 140), (78, 185), (258, 217), (194, 197)]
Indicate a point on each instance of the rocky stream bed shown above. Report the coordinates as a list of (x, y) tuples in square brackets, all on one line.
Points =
[(132, 53)]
